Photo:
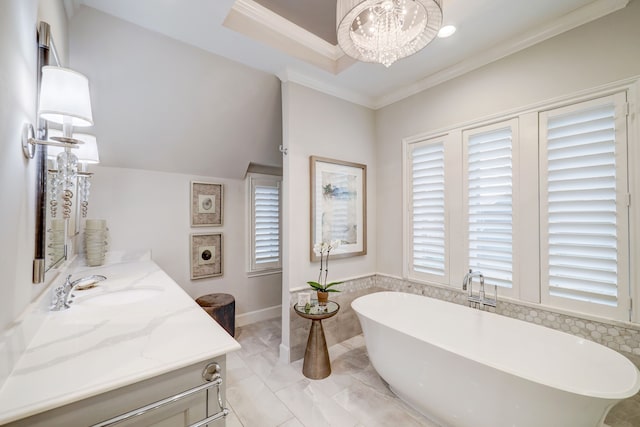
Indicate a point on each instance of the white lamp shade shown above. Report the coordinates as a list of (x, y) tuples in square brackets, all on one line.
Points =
[(86, 153), (64, 97)]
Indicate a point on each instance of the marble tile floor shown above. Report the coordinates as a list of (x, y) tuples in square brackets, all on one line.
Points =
[(263, 392)]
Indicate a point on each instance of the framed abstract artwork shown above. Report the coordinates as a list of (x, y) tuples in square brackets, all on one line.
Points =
[(338, 206), (206, 255), (206, 204)]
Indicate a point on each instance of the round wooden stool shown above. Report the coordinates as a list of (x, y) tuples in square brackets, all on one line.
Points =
[(222, 307)]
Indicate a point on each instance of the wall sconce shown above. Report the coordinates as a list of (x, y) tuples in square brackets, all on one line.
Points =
[(63, 97)]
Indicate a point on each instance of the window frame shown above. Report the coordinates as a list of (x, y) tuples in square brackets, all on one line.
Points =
[(621, 311), (254, 180), (513, 124), (408, 177), (528, 205)]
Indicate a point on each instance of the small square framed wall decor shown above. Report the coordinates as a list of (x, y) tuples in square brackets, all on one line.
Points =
[(206, 204), (206, 255)]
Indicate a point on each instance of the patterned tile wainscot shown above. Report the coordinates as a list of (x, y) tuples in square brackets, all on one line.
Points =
[(619, 336), (622, 337)]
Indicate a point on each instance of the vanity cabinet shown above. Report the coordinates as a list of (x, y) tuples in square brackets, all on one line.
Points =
[(135, 339), (183, 412)]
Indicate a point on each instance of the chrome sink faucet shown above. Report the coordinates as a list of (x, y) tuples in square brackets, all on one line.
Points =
[(479, 299), (63, 295)]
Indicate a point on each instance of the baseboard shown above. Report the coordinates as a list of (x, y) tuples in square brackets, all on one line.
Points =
[(285, 354), (258, 315)]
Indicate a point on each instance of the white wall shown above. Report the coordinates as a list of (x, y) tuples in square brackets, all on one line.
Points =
[(17, 106), (160, 104), (321, 125), (151, 210), (18, 63), (597, 53), (167, 113)]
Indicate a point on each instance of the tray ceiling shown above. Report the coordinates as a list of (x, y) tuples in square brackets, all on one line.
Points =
[(295, 39)]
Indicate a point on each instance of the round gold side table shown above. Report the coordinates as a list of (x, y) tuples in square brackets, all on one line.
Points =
[(316, 356)]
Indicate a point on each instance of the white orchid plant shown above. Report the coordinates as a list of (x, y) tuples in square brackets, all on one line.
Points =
[(323, 249)]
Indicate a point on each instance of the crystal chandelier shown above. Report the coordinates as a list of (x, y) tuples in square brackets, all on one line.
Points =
[(384, 31)]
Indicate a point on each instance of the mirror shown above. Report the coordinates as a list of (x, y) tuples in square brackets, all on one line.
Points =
[(63, 99), (52, 230), (56, 233), (59, 230)]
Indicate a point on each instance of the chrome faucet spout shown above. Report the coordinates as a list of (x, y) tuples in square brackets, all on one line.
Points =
[(465, 281), (479, 299)]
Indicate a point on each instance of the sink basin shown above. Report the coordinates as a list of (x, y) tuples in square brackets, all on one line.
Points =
[(121, 297)]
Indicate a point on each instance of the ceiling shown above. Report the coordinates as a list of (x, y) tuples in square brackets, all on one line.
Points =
[(317, 17), (295, 39)]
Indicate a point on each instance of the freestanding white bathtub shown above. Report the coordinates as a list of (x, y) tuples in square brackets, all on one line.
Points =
[(465, 367)]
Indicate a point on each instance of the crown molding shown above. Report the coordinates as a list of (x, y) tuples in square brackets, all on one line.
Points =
[(286, 28), (567, 22), (290, 75)]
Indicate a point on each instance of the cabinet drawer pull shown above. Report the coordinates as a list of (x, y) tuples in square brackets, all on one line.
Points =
[(214, 379)]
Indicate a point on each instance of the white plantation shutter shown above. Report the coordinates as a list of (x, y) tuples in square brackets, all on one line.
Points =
[(427, 217), (265, 224), (489, 201), (583, 212)]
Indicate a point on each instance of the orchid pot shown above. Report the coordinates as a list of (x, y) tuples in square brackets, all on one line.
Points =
[(323, 297)]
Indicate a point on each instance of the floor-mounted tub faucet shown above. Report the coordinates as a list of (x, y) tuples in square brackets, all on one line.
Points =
[(480, 298)]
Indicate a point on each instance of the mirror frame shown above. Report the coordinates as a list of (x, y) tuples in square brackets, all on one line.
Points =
[(47, 55)]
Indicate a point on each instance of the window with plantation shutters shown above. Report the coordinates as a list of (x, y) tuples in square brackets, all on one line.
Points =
[(540, 201), (584, 218), (488, 192), (428, 246), (265, 224)]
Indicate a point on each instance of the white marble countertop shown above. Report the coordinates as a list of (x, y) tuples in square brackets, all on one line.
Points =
[(135, 325)]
